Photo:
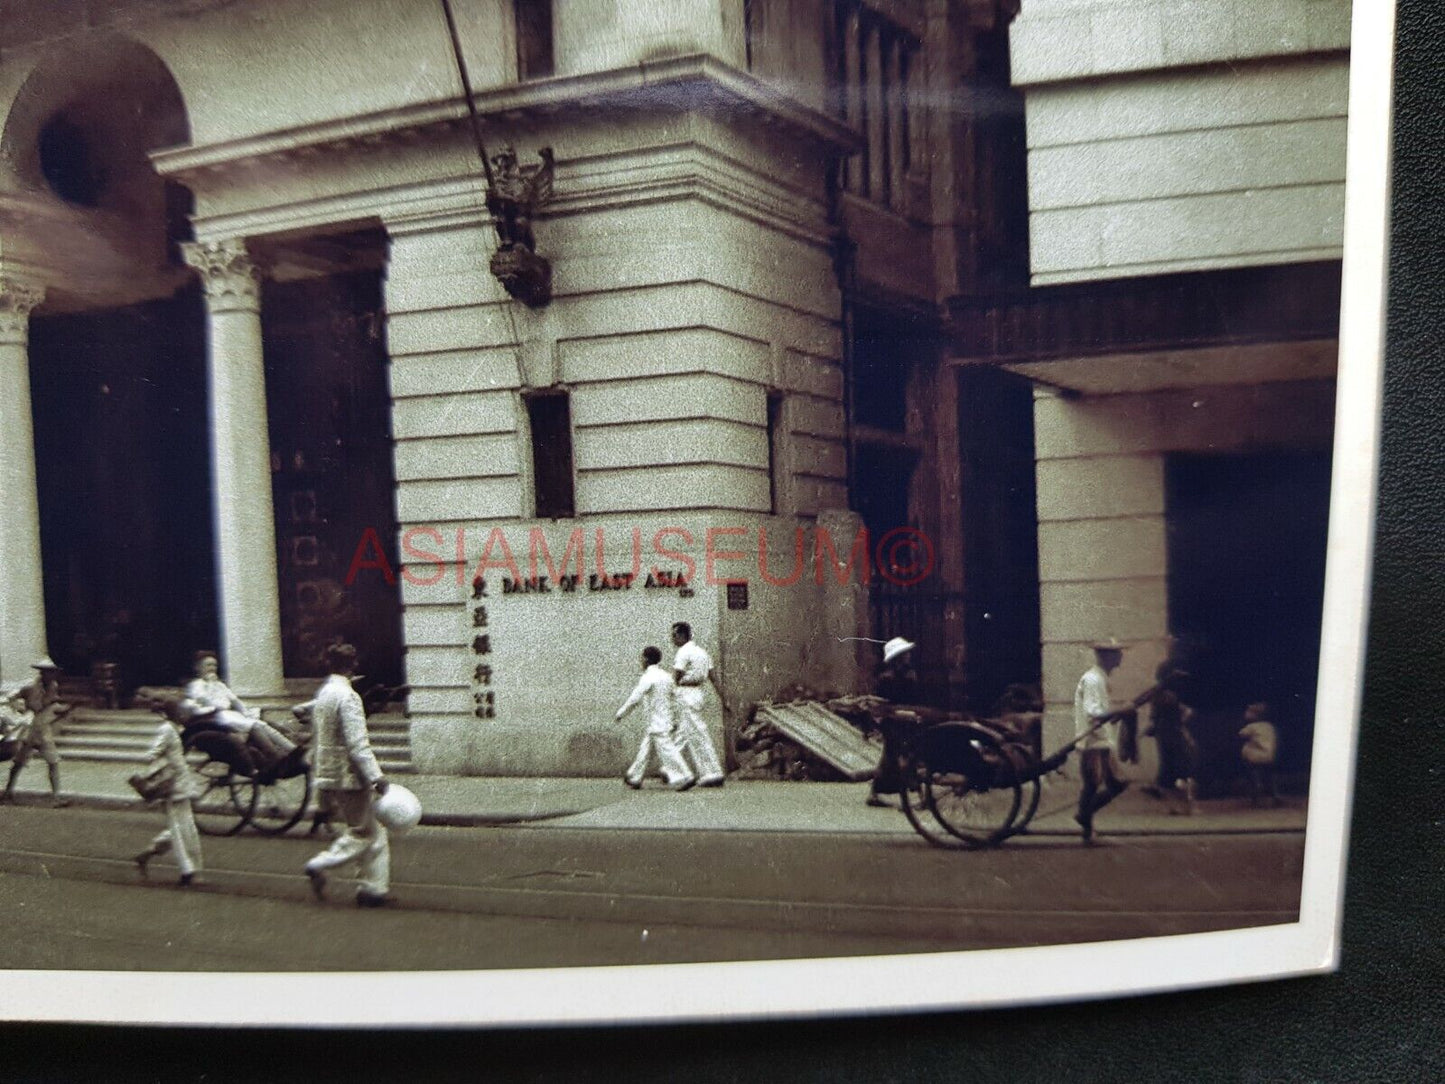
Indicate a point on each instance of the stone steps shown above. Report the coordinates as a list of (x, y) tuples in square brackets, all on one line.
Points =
[(124, 736)]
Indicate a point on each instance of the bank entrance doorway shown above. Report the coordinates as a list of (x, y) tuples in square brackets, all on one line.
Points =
[(1246, 539), (122, 454)]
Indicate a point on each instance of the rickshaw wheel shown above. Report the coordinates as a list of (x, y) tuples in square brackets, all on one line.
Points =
[(226, 801), (1032, 789), (970, 784), (913, 797), (281, 803)]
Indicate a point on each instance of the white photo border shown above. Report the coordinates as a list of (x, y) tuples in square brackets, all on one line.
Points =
[(980, 978)]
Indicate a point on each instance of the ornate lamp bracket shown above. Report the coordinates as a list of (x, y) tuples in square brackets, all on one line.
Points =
[(514, 195)]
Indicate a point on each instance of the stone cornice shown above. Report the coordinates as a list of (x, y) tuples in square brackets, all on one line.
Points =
[(682, 84), (685, 170), (231, 278)]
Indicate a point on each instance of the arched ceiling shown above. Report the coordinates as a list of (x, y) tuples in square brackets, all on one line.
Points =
[(80, 201)]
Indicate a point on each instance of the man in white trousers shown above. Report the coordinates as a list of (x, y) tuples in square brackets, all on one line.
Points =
[(692, 669), (180, 835), (349, 778), (656, 692)]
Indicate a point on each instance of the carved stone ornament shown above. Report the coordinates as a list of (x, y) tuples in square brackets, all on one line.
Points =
[(230, 276), (514, 196), (18, 298), (523, 274)]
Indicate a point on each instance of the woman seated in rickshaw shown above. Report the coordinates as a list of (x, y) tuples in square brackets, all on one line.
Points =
[(210, 704)]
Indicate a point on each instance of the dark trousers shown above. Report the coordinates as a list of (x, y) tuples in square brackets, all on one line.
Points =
[(1101, 785), (1262, 784), (896, 734)]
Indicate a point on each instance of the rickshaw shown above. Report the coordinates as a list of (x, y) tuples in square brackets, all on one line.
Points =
[(971, 784), (237, 788)]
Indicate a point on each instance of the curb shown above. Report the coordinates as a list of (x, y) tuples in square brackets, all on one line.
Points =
[(1223, 830), (39, 799), (497, 820)]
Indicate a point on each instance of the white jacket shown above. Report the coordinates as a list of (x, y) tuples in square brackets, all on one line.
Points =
[(341, 745), (654, 689), (167, 747)]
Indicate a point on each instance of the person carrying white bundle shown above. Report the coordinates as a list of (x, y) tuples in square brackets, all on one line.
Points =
[(177, 788), (349, 780)]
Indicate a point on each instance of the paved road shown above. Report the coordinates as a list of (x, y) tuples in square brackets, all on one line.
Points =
[(546, 896)]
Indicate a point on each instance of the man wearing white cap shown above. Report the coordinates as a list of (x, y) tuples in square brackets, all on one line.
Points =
[(42, 700), (898, 684), (1096, 747)]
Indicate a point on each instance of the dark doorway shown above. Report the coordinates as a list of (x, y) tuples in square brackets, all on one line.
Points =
[(1246, 537), (122, 448), (1000, 533), (882, 477), (333, 474)]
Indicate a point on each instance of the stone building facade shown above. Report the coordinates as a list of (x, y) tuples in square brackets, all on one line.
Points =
[(808, 276), (1186, 166)]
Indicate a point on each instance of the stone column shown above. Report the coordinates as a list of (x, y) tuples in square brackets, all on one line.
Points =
[(853, 94), (22, 593), (893, 93), (877, 114), (241, 469)]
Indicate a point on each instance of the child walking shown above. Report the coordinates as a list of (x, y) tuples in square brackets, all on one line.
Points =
[(1261, 750), (655, 691), (167, 757)]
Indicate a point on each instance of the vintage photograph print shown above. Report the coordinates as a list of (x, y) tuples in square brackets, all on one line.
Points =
[(873, 494)]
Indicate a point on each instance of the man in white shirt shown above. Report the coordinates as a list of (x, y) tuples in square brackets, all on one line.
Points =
[(655, 691), (1096, 749), (349, 780), (692, 668)]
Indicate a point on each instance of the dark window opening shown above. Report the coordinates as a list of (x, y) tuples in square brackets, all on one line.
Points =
[(885, 122), (883, 477), (775, 459), (749, 27), (905, 125), (69, 163), (836, 42), (865, 156), (886, 348), (550, 415), (534, 39)]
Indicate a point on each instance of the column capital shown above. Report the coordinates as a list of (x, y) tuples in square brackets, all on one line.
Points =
[(230, 274), (18, 297)]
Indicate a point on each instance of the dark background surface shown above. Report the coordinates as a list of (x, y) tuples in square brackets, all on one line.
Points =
[(1378, 1019)]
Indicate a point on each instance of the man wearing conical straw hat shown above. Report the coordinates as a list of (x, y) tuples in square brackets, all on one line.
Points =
[(42, 699)]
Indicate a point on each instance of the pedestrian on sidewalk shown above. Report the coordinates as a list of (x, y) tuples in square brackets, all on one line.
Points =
[(1169, 727), (656, 691), (1095, 723), (350, 780), (167, 757), (898, 684), (1260, 751), (692, 669), (42, 701)]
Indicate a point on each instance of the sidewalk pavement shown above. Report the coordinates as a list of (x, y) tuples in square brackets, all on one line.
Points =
[(740, 806)]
